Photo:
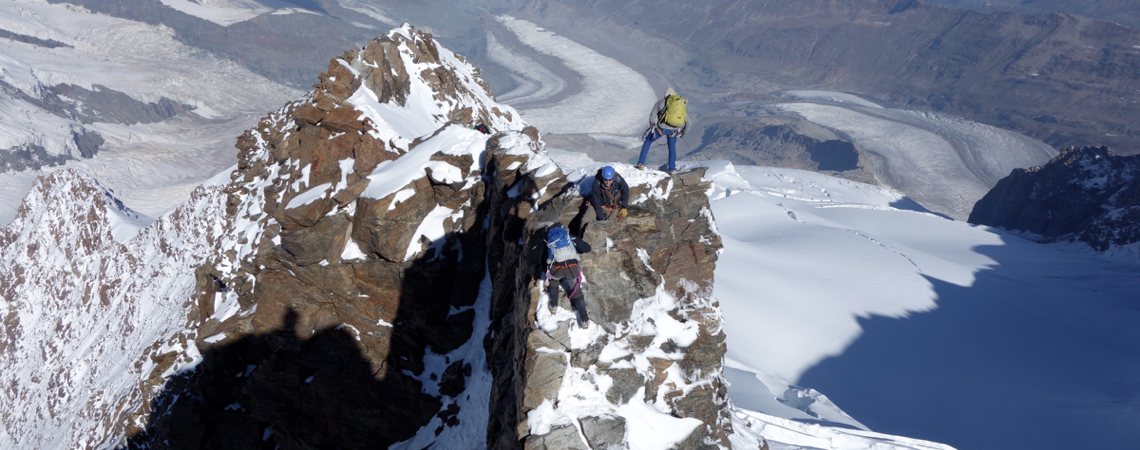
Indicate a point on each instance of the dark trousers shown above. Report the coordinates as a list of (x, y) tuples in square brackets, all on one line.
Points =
[(569, 276)]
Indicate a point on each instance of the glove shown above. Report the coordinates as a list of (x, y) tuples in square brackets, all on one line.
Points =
[(622, 213)]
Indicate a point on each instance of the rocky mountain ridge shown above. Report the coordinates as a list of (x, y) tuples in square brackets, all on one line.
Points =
[(366, 279), (1120, 11), (1085, 194)]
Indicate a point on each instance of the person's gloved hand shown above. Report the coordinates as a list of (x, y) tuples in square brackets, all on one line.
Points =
[(622, 213)]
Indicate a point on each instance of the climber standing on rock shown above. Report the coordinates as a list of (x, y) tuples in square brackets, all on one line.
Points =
[(609, 195), (562, 270), (668, 119)]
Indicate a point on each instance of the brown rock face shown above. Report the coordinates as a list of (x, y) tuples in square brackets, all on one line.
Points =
[(337, 297)]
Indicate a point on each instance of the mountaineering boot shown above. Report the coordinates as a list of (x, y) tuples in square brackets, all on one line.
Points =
[(552, 295), (579, 305)]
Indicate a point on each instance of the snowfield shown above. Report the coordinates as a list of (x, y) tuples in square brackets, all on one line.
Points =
[(917, 325)]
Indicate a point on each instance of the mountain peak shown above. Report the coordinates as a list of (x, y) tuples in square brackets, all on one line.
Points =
[(77, 212), (372, 216)]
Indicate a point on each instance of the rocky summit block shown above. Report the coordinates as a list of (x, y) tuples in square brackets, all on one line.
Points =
[(352, 261)]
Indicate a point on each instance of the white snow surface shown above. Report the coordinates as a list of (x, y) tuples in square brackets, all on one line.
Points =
[(229, 12), (915, 324), (370, 9), (831, 97), (534, 82), (391, 176), (221, 12), (649, 425)]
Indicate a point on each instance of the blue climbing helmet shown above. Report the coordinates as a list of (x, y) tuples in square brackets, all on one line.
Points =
[(608, 173)]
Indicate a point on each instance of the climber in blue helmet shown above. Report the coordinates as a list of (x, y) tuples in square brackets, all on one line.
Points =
[(610, 194)]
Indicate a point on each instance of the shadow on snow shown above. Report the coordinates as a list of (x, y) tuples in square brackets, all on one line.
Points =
[(1038, 353)]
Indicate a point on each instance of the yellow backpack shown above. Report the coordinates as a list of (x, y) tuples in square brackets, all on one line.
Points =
[(674, 113)]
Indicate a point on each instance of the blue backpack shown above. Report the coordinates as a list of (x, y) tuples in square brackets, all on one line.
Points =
[(559, 243)]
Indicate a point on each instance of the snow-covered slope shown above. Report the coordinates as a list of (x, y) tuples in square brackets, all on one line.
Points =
[(95, 295), (225, 12), (592, 109), (92, 303)]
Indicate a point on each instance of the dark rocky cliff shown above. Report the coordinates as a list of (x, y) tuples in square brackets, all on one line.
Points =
[(1086, 194)]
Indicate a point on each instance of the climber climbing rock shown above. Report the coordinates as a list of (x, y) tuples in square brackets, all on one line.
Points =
[(563, 270)]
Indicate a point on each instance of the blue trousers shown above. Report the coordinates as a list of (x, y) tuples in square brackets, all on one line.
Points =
[(670, 137)]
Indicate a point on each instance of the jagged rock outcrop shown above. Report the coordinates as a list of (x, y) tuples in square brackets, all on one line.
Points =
[(1086, 194), (354, 258), (655, 343)]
